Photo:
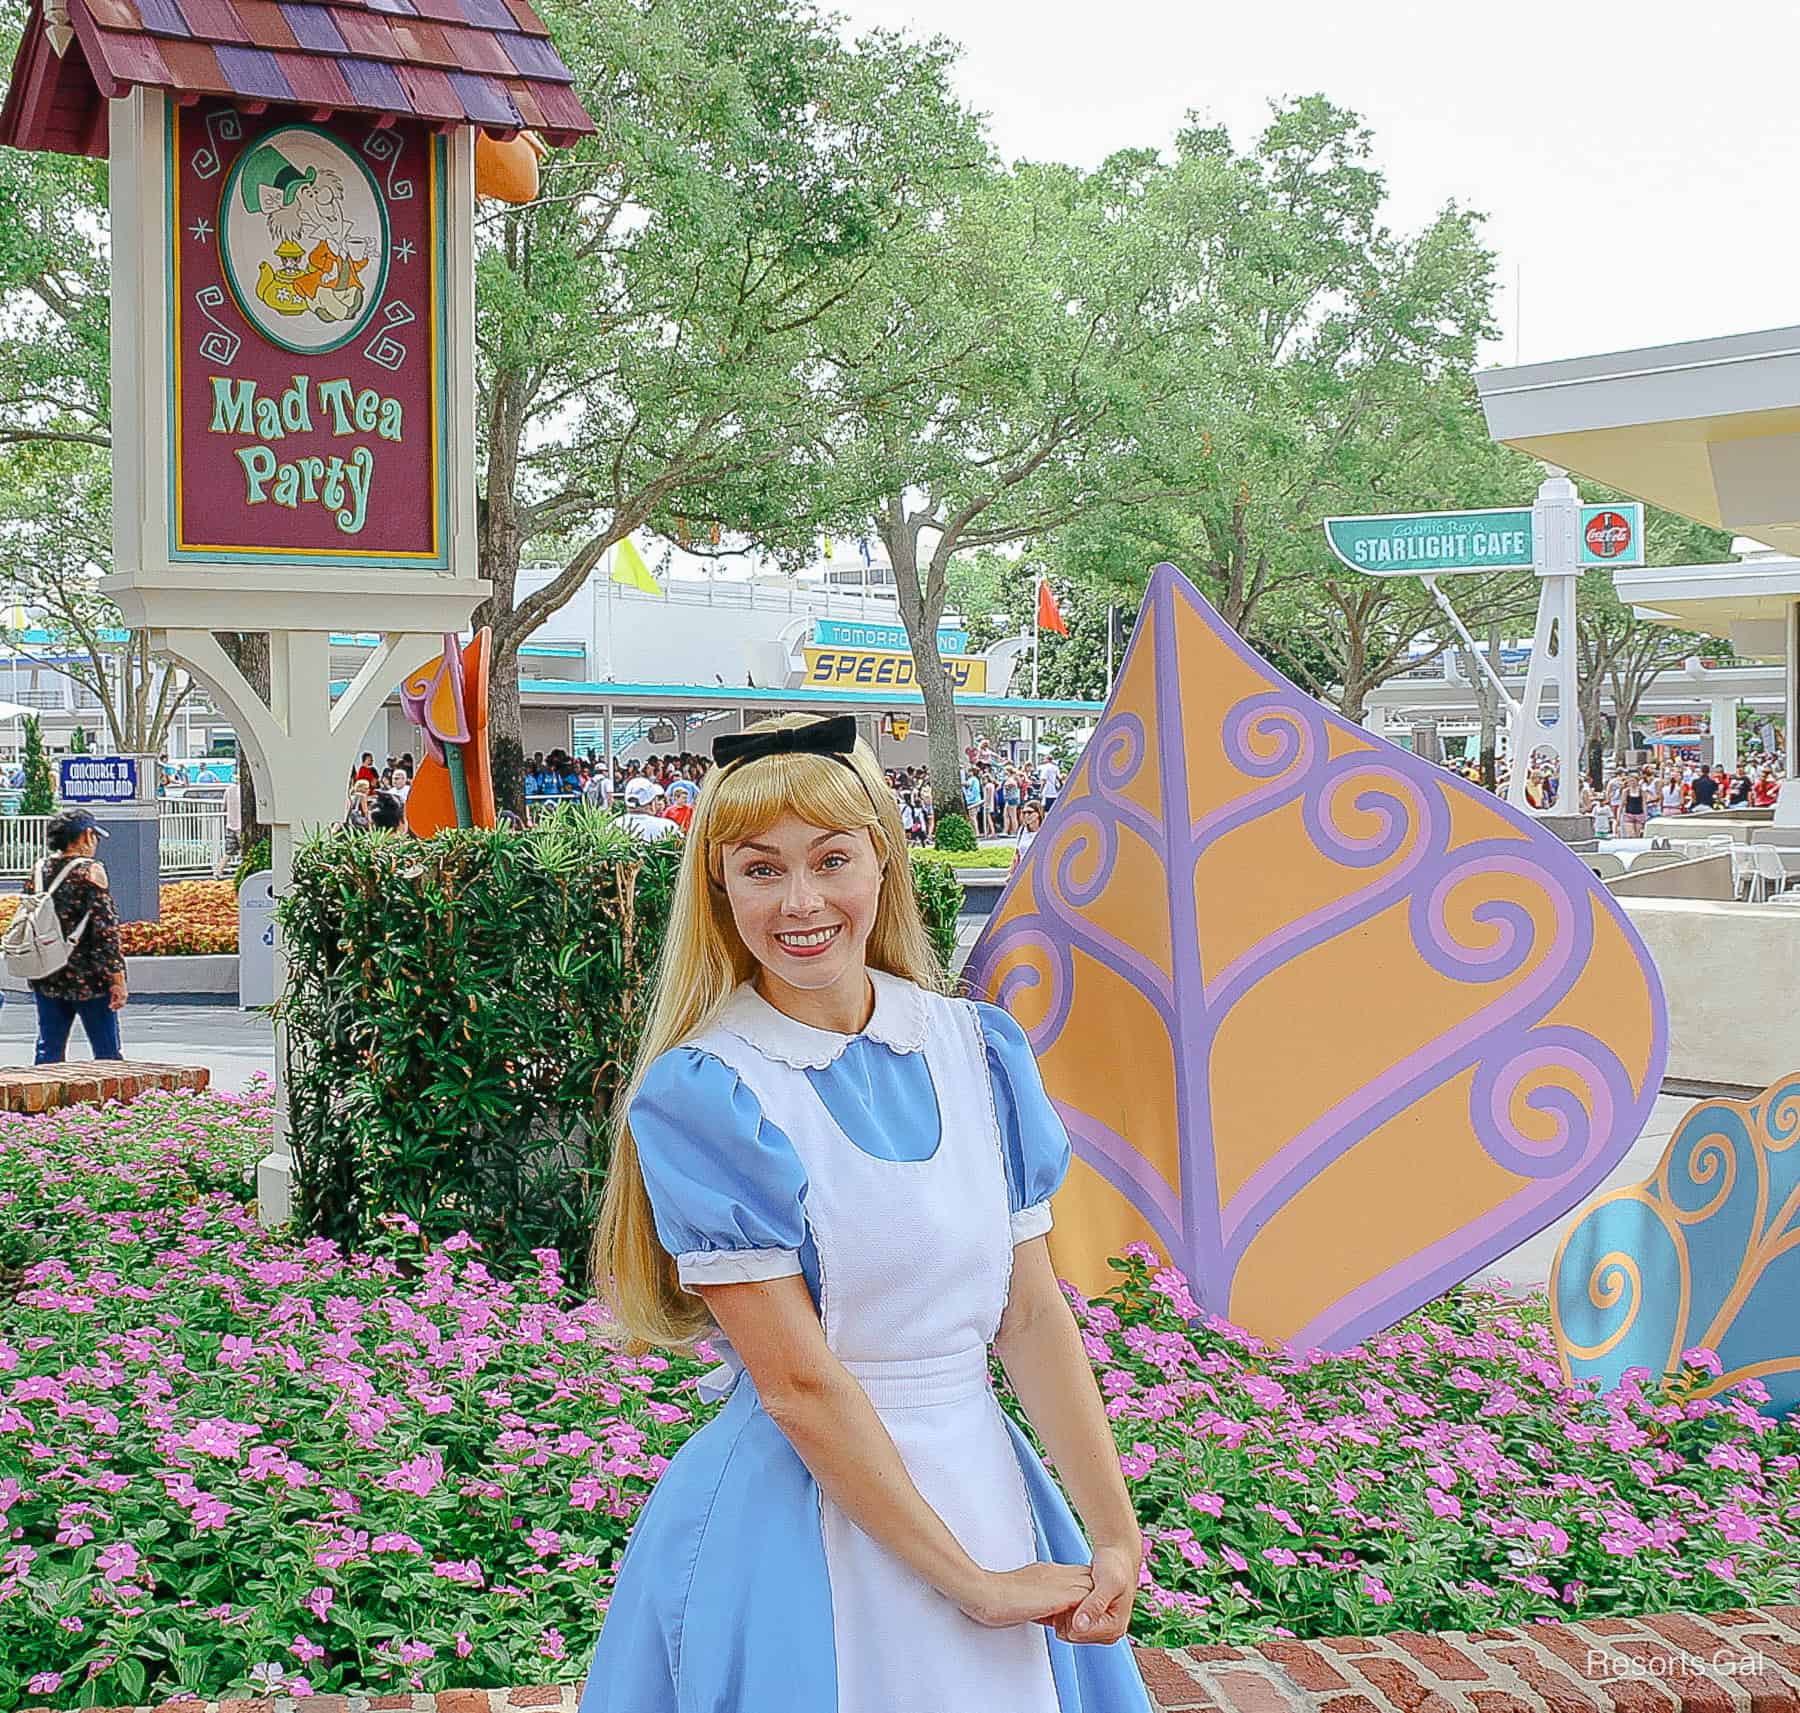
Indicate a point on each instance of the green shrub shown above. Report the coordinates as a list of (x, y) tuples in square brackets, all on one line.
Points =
[(259, 856), (954, 833), (460, 1013), (40, 783), (940, 902)]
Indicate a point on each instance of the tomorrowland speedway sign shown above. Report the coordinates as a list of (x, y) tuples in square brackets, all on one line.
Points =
[(881, 669), (852, 633)]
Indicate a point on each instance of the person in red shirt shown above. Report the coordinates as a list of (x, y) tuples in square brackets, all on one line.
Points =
[(1766, 790), (367, 771), (681, 803)]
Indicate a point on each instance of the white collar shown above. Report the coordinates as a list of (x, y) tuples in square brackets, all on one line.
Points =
[(899, 1021)]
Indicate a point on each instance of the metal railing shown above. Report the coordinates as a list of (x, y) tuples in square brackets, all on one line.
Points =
[(21, 843), (192, 840), (192, 836)]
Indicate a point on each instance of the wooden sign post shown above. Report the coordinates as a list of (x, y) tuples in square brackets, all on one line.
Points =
[(294, 415), (293, 337)]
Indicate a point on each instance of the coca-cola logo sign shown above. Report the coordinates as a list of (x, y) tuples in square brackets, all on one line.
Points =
[(1609, 535)]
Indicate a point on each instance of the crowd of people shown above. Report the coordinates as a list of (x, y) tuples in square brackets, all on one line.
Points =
[(378, 795), (1003, 798), (1632, 797)]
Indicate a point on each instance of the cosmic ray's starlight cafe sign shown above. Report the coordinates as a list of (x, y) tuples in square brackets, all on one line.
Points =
[(1410, 544)]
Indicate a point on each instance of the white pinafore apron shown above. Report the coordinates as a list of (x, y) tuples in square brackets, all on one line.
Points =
[(915, 1262)]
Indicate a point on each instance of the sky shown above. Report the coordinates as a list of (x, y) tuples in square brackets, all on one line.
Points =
[(1636, 163)]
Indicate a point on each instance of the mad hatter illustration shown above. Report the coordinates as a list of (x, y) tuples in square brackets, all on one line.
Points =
[(307, 218)]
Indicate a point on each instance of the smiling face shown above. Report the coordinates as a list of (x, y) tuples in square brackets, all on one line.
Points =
[(804, 900)]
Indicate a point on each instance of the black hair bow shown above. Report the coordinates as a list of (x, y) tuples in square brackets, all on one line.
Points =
[(835, 738)]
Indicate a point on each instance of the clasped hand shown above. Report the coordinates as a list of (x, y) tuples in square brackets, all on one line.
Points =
[(1081, 1602)]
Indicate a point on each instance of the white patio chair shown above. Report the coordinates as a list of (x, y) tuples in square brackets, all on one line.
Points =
[(1770, 869), (1745, 881)]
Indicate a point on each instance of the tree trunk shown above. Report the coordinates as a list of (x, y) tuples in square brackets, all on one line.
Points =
[(1591, 723), (248, 651), (1355, 682), (506, 743), (900, 536), (499, 545)]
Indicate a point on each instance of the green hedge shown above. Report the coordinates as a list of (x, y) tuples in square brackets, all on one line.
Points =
[(983, 856), (460, 1012), (258, 857)]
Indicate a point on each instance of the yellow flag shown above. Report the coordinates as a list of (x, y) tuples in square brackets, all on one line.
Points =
[(629, 568), (827, 547)]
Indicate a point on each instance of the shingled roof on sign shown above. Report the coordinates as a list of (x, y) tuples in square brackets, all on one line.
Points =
[(488, 63)]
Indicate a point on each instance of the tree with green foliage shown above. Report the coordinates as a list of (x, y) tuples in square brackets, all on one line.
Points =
[(55, 545), (1338, 357), (1022, 349), (56, 476), (40, 783), (652, 331), (1621, 653)]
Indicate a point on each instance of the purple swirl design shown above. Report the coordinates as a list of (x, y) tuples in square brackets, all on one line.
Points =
[(1386, 820)]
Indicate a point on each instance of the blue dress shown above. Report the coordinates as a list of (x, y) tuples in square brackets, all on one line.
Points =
[(690, 1628)]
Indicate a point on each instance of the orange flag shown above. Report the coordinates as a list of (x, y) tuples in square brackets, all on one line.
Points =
[(1049, 614)]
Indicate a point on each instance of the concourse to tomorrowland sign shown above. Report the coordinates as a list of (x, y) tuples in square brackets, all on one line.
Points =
[(306, 341)]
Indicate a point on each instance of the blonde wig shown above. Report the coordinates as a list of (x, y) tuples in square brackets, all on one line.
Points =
[(704, 959)]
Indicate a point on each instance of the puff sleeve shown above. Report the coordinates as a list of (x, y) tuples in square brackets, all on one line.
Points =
[(727, 1189), (1035, 1143)]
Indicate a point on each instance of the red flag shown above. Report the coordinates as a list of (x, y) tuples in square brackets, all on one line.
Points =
[(1049, 614)]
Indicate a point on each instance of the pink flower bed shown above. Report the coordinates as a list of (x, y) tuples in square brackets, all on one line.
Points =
[(1443, 1476), (236, 1462)]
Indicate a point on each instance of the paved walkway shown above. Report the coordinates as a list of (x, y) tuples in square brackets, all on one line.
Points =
[(232, 1044)]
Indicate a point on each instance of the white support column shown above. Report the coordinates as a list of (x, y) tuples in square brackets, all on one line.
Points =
[(1554, 520), (1787, 805), (1724, 723), (300, 746), (1791, 687)]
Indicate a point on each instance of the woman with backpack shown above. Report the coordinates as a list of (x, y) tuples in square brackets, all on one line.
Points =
[(91, 984)]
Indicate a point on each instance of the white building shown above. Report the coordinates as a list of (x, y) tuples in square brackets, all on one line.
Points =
[(662, 669)]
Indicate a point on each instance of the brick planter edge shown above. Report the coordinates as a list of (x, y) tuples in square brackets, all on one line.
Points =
[(1680, 1662)]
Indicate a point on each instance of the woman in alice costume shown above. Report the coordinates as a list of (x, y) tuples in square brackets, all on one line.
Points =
[(842, 1177)]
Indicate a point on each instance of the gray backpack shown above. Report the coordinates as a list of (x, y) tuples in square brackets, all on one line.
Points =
[(34, 944)]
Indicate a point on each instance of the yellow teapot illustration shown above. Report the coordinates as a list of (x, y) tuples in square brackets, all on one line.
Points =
[(275, 286)]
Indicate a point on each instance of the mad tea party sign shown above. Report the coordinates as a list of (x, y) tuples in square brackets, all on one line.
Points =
[(306, 340)]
